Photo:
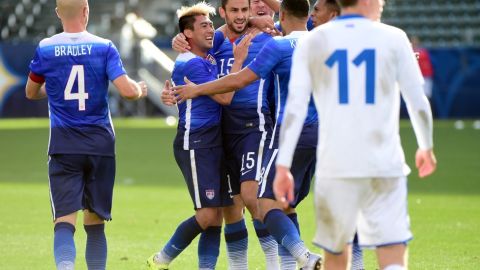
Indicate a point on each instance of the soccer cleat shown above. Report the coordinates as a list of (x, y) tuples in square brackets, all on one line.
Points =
[(152, 265), (314, 262)]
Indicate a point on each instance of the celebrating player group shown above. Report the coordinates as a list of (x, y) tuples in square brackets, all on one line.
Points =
[(264, 107)]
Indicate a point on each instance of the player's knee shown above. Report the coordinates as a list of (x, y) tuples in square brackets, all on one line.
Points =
[(207, 217), (91, 218)]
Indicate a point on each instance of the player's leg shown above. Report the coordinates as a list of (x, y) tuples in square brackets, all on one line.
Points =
[(283, 227), (236, 234), (98, 194), (96, 246), (337, 204), (338, 261), (201, 170), (66, 194), (251, 147), (384, 222), (393, 256)]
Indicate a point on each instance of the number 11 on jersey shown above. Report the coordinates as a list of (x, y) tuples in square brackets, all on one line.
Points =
[(77, 73), (341, 57)]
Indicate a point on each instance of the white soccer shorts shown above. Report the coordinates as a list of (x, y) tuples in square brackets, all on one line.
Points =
[(374, 207)]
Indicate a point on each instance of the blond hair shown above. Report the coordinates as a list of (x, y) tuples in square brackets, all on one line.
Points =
[(201, 8), (186, 15)]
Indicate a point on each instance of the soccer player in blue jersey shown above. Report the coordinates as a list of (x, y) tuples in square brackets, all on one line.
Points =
[(245, 126), (76, 67), (198, 143), (275, 57)]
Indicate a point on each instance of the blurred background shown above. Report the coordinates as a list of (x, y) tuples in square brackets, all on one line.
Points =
[(446, 33)]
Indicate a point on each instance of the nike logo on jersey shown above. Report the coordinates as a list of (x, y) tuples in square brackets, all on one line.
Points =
[(245, 172)]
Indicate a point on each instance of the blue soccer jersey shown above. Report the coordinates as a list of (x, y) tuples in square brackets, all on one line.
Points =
[(249, 107), (77, 68), (199, 123), (276, 57)]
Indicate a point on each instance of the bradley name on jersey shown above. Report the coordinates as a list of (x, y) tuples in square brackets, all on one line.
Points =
[(73, 50)]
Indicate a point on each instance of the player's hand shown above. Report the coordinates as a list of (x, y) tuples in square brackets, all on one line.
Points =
[(143, 88), (283, 186), (240, 50), (264, 23), (426, 162), (180, 43), (167, 96), (184, 92)]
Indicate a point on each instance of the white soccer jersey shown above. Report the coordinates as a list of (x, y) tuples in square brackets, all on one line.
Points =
[(355, 67)]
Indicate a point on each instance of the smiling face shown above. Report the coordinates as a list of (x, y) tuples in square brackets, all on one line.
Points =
[(201, 35), (259, 8), (236, 14)]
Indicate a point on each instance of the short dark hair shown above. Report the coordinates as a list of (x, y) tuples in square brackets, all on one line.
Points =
[(333, 5), (225, 2), (296, 8), (347, 3)]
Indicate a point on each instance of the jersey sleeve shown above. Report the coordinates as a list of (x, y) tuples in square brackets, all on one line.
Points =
[(266, 59), (218, 39), (411, 82), (36, 66), (114, 63), (296, 106), (197, 72)]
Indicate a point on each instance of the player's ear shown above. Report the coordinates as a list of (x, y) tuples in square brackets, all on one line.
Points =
[(221, 11), (188, 33), (58, 14)]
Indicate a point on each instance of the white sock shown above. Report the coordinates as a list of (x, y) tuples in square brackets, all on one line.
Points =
[(394, 267)]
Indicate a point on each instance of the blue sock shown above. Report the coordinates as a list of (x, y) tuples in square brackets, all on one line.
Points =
[(64, 246), (357, 255), (236, 237), (96, 250), (209, 247), (294, 218), (287, 261), (286, 234), (268, 244), (183, 236)]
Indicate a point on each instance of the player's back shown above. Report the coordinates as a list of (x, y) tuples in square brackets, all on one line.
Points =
[(354, 77), (77, 68), (276, 57)]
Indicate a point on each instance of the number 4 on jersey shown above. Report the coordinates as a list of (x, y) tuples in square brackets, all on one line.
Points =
[(367, 56), (77, 73)]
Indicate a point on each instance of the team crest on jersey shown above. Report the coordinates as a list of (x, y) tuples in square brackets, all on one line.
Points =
[(210, 193), (211, 59)]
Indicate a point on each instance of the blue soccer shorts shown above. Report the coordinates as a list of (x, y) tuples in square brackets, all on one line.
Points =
[(302, 169), (81, 182), (201, 169), (244, 156)]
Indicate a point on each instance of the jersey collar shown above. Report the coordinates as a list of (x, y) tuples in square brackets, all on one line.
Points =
[(350, 16)]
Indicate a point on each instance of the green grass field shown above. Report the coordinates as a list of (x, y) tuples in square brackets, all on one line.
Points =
[(151, 199)]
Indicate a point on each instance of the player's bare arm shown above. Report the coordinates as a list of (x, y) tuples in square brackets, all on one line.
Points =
[(129, 88), (35, 90)]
